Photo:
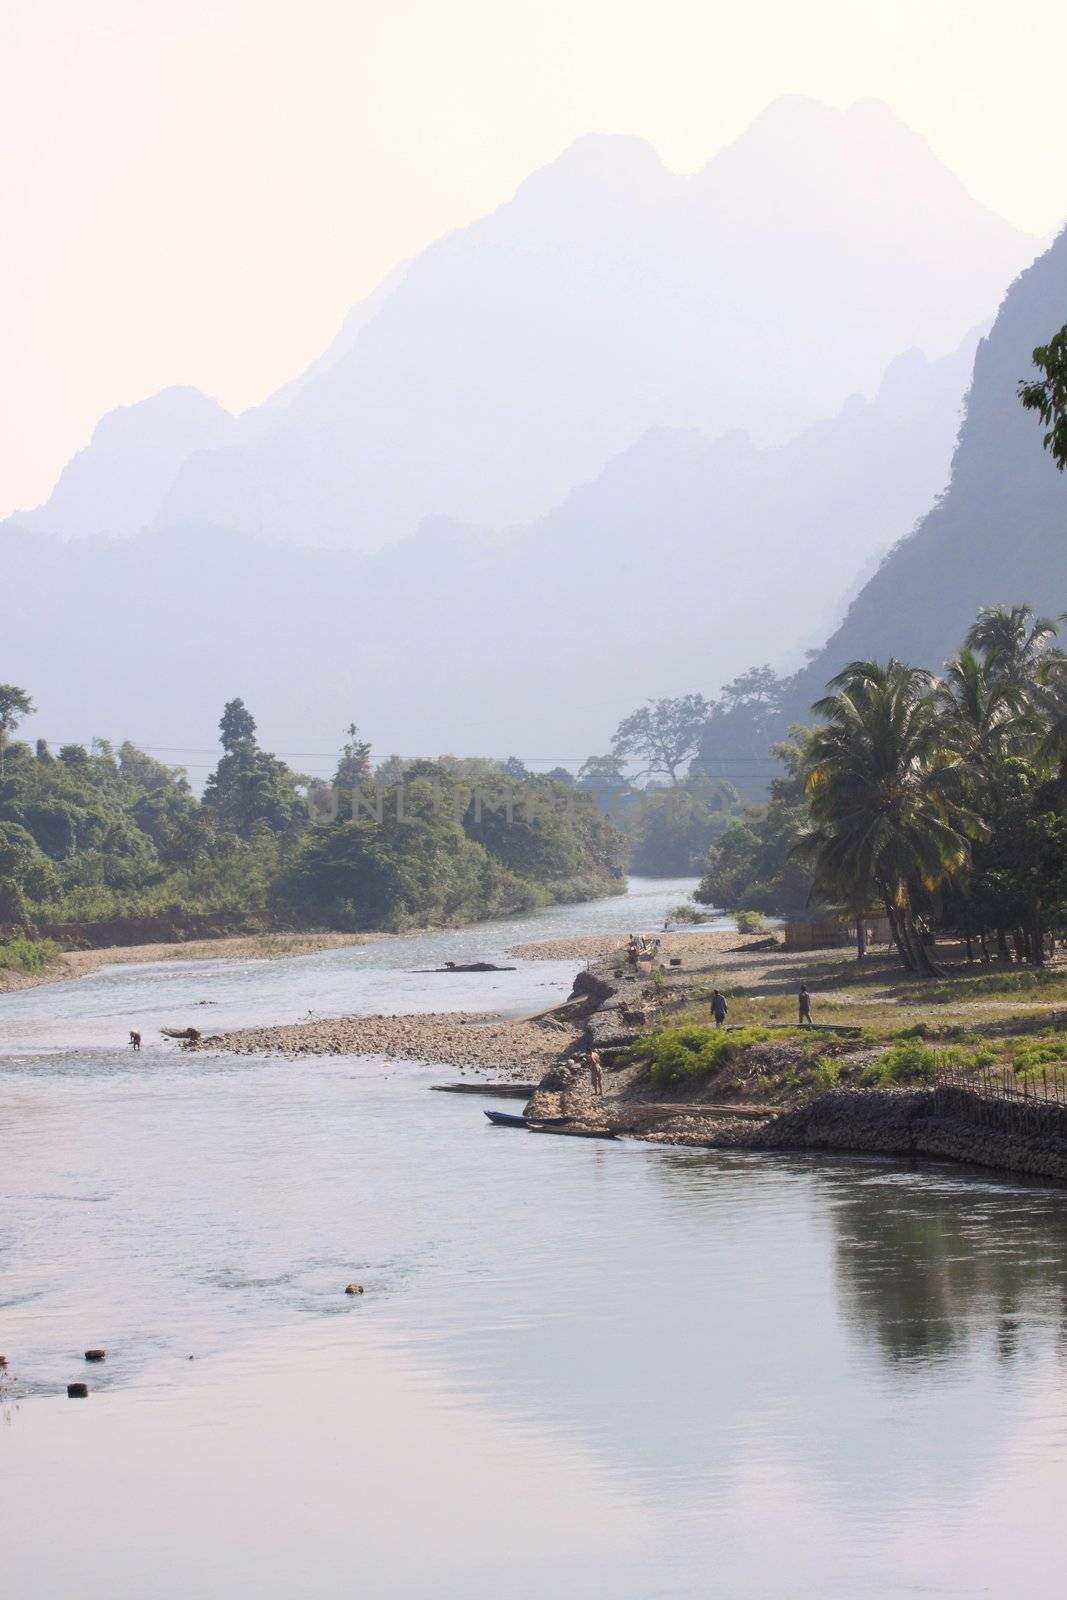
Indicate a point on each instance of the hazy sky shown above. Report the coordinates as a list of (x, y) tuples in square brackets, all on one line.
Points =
[(195, 191)]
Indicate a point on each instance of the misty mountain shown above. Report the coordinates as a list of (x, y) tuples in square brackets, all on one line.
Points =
[(116, 484), (999, 535), (682, 561), (518, 355), (513, 358)]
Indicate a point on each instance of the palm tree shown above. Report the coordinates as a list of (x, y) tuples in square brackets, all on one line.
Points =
[(992, 718), (1013, 642), (984, 715), (887, 796)]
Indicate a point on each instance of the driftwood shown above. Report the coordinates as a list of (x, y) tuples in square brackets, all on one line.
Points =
[(492, 1091)]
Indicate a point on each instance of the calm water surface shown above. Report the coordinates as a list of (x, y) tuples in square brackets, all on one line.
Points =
[(578, 1370)]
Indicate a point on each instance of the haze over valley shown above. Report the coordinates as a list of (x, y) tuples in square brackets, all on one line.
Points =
[(702, 407), (534, 550)]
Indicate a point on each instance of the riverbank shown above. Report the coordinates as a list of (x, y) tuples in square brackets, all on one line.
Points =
[(773, 1087), (239, 947), (833, 1088)]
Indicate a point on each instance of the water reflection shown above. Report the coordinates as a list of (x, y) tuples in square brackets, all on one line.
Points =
[(579, 1369), (932, 1266)]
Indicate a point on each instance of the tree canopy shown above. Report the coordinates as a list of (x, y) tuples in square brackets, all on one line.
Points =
[(664, 734), (113, 837), (1047, 395), (944, 798)]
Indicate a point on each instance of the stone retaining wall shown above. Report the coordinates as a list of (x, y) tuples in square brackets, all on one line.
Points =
[(917, 1122)]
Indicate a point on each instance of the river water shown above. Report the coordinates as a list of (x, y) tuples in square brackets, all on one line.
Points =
[(578, 1369)]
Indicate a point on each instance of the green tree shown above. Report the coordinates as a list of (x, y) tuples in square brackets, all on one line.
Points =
[(665, 734), (755, 864), (672, 829), (15, 704), (237, 725), (1014, 645), (251, 789), (353, 766), (26, 874), (605, 777), (742, 724), (888, 802), (1047, 395)]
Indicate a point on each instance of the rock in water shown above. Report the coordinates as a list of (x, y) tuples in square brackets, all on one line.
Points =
[(95, 1355), (77, 1391), (354, 1288)]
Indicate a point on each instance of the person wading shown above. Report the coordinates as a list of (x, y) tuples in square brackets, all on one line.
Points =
[(135, 1039), (719, 1007), (804, 1001)]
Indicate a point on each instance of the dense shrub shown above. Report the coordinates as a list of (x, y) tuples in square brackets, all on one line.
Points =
[(912, 1061), (690, 1054), (28, 955)]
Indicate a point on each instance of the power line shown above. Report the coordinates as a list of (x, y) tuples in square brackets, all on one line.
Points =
[(332, 755)]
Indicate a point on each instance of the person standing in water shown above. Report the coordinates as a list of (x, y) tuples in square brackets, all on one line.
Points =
[(135, 1039), (804, 1000), (719, 1007)]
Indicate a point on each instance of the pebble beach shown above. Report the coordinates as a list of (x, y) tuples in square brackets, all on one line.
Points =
[(514, 1049)]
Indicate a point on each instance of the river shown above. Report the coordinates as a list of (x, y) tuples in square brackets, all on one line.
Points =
[(578, 1369)]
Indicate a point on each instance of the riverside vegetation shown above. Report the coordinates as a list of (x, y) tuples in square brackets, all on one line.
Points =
[(109, 846), (941, 799)]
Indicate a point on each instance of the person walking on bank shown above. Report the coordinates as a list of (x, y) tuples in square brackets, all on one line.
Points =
[(596, 1072), (804, 1000), (719, 1007)]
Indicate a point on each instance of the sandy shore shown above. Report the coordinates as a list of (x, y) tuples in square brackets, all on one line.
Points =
[(246, 947), (454, 1038), (697, 949)]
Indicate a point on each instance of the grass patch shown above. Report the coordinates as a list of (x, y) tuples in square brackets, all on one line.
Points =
[(20, 954), (1041, 982)]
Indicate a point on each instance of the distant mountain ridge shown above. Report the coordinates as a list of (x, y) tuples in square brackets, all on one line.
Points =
[(682, 561), (118, 482), (513, 358)]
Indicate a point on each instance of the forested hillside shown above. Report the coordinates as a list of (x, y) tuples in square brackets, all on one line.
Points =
[(998, 536)]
